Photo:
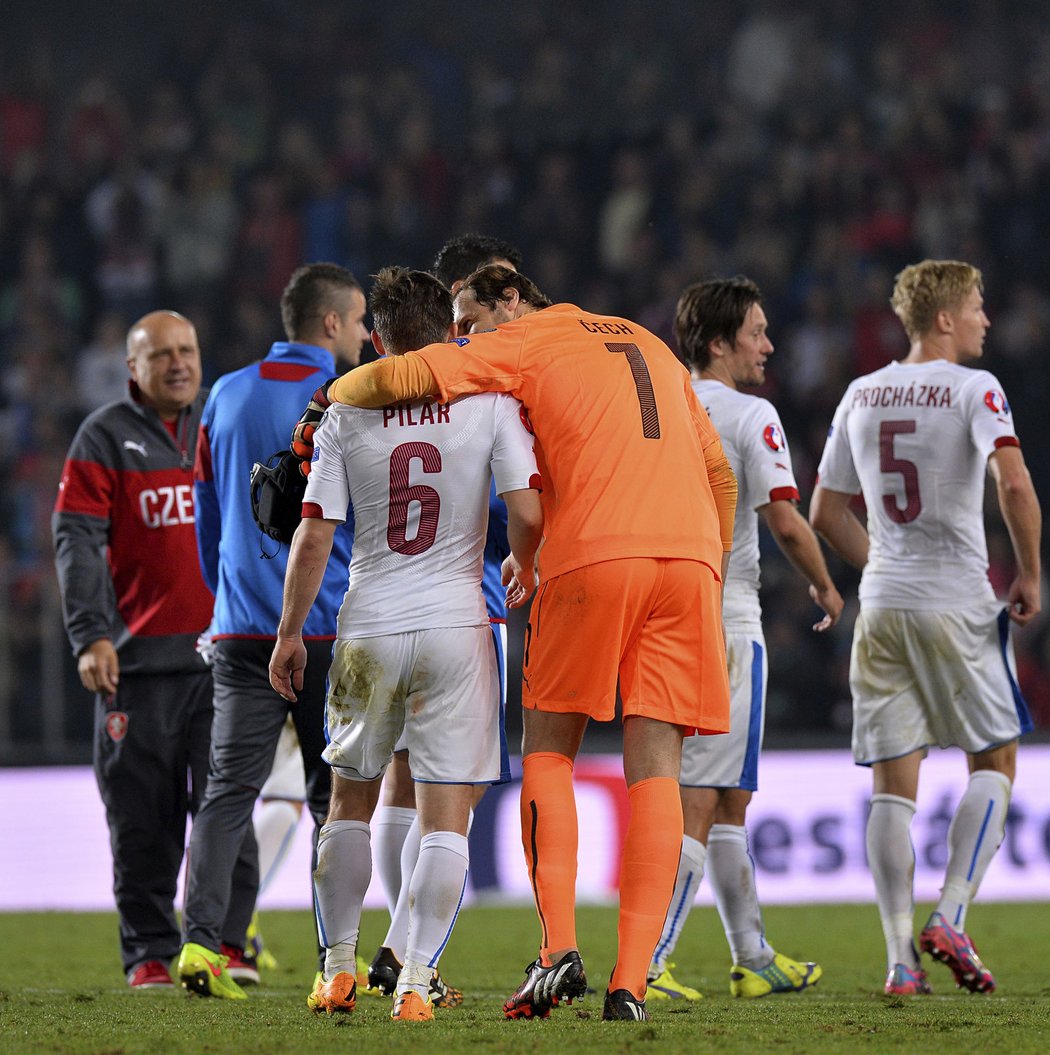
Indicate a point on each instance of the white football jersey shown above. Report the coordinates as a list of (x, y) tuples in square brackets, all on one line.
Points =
[(757, 449), (417, 475), (915, 439)]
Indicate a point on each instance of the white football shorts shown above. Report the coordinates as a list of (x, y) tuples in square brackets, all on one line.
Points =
[(731, 760), (925, 678), (287, 779), (440, 687)]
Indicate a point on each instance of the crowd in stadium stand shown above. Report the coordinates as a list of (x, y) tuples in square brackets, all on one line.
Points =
[(196, 162)]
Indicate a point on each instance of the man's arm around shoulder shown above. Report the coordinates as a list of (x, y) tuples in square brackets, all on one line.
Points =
[(393, 379)]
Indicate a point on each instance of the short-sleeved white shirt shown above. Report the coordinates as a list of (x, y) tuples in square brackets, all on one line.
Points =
[(757, 449), (915, 438), (418, 477)]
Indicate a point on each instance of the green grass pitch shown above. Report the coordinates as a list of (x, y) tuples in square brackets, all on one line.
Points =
[(61, 991)]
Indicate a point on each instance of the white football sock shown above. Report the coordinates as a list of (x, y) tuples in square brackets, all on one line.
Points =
[(390, 826), (975, 833), (891, 857), (435, 893), (344, 870), (731, 873), (275, 824), (397, 935), (686, 884)]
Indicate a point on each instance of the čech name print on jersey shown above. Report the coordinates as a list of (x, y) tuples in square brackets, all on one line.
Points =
[(417, 476), (754, 441), (915, 439)]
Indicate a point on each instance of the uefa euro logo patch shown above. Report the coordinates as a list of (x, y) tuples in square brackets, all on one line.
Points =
[(995, 401), (774, 438)]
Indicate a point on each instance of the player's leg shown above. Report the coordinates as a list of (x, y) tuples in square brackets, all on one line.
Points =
[(452, 729), (385, 968), (891, 734), (974, 836), (434, 893), (361, 728), (550, 837), (698, 813), (719, 773), (344, 870), (392, 823), (395, 835), (758, 969), (673, 679), (573, 643), (970, 681), (891, 857)]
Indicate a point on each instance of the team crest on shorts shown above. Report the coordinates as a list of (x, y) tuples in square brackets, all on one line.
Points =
[(773, 437), (995, 401), (117, 725)]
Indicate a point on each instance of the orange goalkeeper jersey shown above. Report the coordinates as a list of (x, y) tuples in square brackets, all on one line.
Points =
[(621, 434)]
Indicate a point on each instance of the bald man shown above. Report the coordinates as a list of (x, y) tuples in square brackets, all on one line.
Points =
[(134, 603)]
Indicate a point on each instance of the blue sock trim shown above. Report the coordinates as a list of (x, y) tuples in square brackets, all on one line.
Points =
[(980, 838), (459, 904), (687, 890)]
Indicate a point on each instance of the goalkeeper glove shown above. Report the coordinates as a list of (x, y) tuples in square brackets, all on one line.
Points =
[(306, 426)]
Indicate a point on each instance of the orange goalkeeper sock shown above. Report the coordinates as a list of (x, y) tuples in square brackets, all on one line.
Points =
[(648, 868), (550, 836)]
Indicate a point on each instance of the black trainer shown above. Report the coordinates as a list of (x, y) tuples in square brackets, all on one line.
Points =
[(544, 987), (384, 971), (444, 995), (620, 1005)]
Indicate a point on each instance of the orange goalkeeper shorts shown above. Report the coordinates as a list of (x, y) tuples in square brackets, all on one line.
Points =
[(653, 624)]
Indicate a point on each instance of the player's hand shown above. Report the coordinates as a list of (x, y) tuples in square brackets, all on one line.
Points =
[(1023, 600), (99, 667), (287, 663), (520, 582), (831, 601), (306, 426)]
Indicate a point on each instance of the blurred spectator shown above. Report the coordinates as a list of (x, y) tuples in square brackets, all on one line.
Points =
[(102, 369), (197, 230)]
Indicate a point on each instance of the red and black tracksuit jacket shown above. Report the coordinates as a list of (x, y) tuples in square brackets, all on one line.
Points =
[(125, 547)]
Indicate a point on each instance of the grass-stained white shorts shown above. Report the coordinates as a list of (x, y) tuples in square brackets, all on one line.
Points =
[(440, 687), (924, 678)]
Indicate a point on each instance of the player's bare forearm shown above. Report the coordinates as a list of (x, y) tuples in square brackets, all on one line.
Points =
[(799, 544), (395, 379), (524, 534), (311, 547), (1020, 508), (835, 522)]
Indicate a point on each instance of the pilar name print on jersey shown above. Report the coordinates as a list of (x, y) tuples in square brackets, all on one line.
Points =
[(903, 396), (605, 327), (409, 414)]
